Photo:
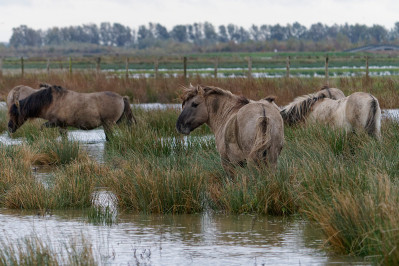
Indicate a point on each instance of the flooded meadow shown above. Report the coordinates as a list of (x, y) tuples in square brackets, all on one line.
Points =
[(213, 232)]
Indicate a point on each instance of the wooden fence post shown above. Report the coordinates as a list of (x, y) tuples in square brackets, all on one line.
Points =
[(185, 67), (249, 67), (48, 66), (127, 68), (70, 66), (22, 66), (98, 65), (367, 67), (1, 66), (287, 74), (156, 66), (215, 72), (326, 70)]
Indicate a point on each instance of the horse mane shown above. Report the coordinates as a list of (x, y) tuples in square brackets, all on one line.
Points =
[(324, 87), (327, 89), (44, 85), (190, 92), (298, 110), (32, 105)]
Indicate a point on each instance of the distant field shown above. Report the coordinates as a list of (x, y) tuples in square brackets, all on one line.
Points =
[(227, 64)]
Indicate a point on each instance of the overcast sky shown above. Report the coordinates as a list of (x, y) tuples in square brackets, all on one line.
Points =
[(43, 14)]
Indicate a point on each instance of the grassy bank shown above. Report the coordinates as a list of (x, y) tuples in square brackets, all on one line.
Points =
[(167, 90), (345, 183)]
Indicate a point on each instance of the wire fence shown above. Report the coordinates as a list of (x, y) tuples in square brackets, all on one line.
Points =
[(250, 67)]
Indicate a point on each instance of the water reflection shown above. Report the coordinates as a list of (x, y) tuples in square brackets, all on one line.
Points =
[(183, 239)]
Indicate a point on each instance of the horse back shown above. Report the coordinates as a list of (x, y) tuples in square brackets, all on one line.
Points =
[(364, 112), (259, 120), (86, 110), (18, 93)]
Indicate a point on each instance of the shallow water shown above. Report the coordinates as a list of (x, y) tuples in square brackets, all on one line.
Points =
[(181, 239)]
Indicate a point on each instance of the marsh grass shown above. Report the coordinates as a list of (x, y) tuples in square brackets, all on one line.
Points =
[(347, 183), (101, 216), (32, 250), (73, 185), (3, 121), (349, 187), (152, 186), (167, 90), (146, 138), (57, 151), (32, 130)]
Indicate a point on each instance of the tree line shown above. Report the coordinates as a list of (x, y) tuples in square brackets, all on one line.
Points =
[(202, 35)]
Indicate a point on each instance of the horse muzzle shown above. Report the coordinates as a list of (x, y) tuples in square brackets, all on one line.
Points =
[(11, 130), (183, 129), (11, 127)]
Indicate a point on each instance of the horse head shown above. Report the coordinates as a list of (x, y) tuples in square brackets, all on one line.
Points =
[(195, 112)]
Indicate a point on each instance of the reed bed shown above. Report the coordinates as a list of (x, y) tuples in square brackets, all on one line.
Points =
[(168, 89), (344, 182)]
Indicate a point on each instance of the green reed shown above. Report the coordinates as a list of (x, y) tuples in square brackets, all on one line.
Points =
[(32, 250), (74, 185), (3, 121), (101, 216)]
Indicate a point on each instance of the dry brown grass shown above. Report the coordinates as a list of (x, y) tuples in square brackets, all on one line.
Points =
[(166, 90)]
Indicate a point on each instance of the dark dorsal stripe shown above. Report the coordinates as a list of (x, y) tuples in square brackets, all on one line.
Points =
[(329, 93)]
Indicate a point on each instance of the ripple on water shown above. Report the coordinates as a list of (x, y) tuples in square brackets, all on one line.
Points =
[(182, 239)]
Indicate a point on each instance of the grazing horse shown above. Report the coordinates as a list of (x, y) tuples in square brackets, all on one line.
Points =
[(63, 108), (358, 111), (245, 131)]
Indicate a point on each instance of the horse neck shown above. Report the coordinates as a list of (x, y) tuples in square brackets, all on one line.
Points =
[(219, 113), (34, 106), (298, 110)]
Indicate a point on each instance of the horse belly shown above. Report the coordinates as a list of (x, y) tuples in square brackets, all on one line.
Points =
[(87, 125)]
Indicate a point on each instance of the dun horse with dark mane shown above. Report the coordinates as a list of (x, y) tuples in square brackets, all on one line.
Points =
[(63, 108), (245, 131)]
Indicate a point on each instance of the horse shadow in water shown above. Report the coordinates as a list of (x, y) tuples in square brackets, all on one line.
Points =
[(245, 131), (63, 108)]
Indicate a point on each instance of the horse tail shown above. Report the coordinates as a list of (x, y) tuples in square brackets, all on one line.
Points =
[(263, 140), (127, 113), (373, 123)]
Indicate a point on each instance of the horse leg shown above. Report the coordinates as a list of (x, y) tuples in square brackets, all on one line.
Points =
[(63, 132), (227, 166), (62, 129), (49, 124), (107, 130)]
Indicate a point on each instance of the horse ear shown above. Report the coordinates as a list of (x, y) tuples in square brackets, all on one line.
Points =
[(200, 90), (270, 98)]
